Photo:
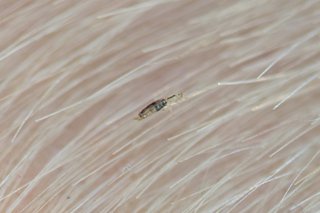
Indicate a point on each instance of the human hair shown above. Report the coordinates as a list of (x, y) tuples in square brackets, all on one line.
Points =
[(236, 128)]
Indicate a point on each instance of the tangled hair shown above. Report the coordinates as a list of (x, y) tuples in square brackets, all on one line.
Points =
[(244, 137)]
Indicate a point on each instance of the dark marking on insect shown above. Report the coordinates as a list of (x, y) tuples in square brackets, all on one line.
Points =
[(152, 108), (158, 105)]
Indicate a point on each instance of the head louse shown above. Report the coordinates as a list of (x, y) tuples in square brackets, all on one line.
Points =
[(152, 108), (158, 105)]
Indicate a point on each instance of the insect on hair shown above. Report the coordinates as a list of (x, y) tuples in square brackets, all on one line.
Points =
[(158, 105)]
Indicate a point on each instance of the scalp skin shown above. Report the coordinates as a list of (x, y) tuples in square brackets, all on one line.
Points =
[(244, 138)]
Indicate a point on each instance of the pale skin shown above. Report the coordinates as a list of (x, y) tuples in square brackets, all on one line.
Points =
[(243, 137)]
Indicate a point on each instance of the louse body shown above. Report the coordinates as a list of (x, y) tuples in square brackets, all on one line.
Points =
[(152, 108), (159, 105)]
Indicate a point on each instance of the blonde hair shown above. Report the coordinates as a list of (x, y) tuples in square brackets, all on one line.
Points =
[(75, 74)]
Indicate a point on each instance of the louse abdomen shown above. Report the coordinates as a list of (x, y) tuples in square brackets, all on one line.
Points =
[(152, 108)]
